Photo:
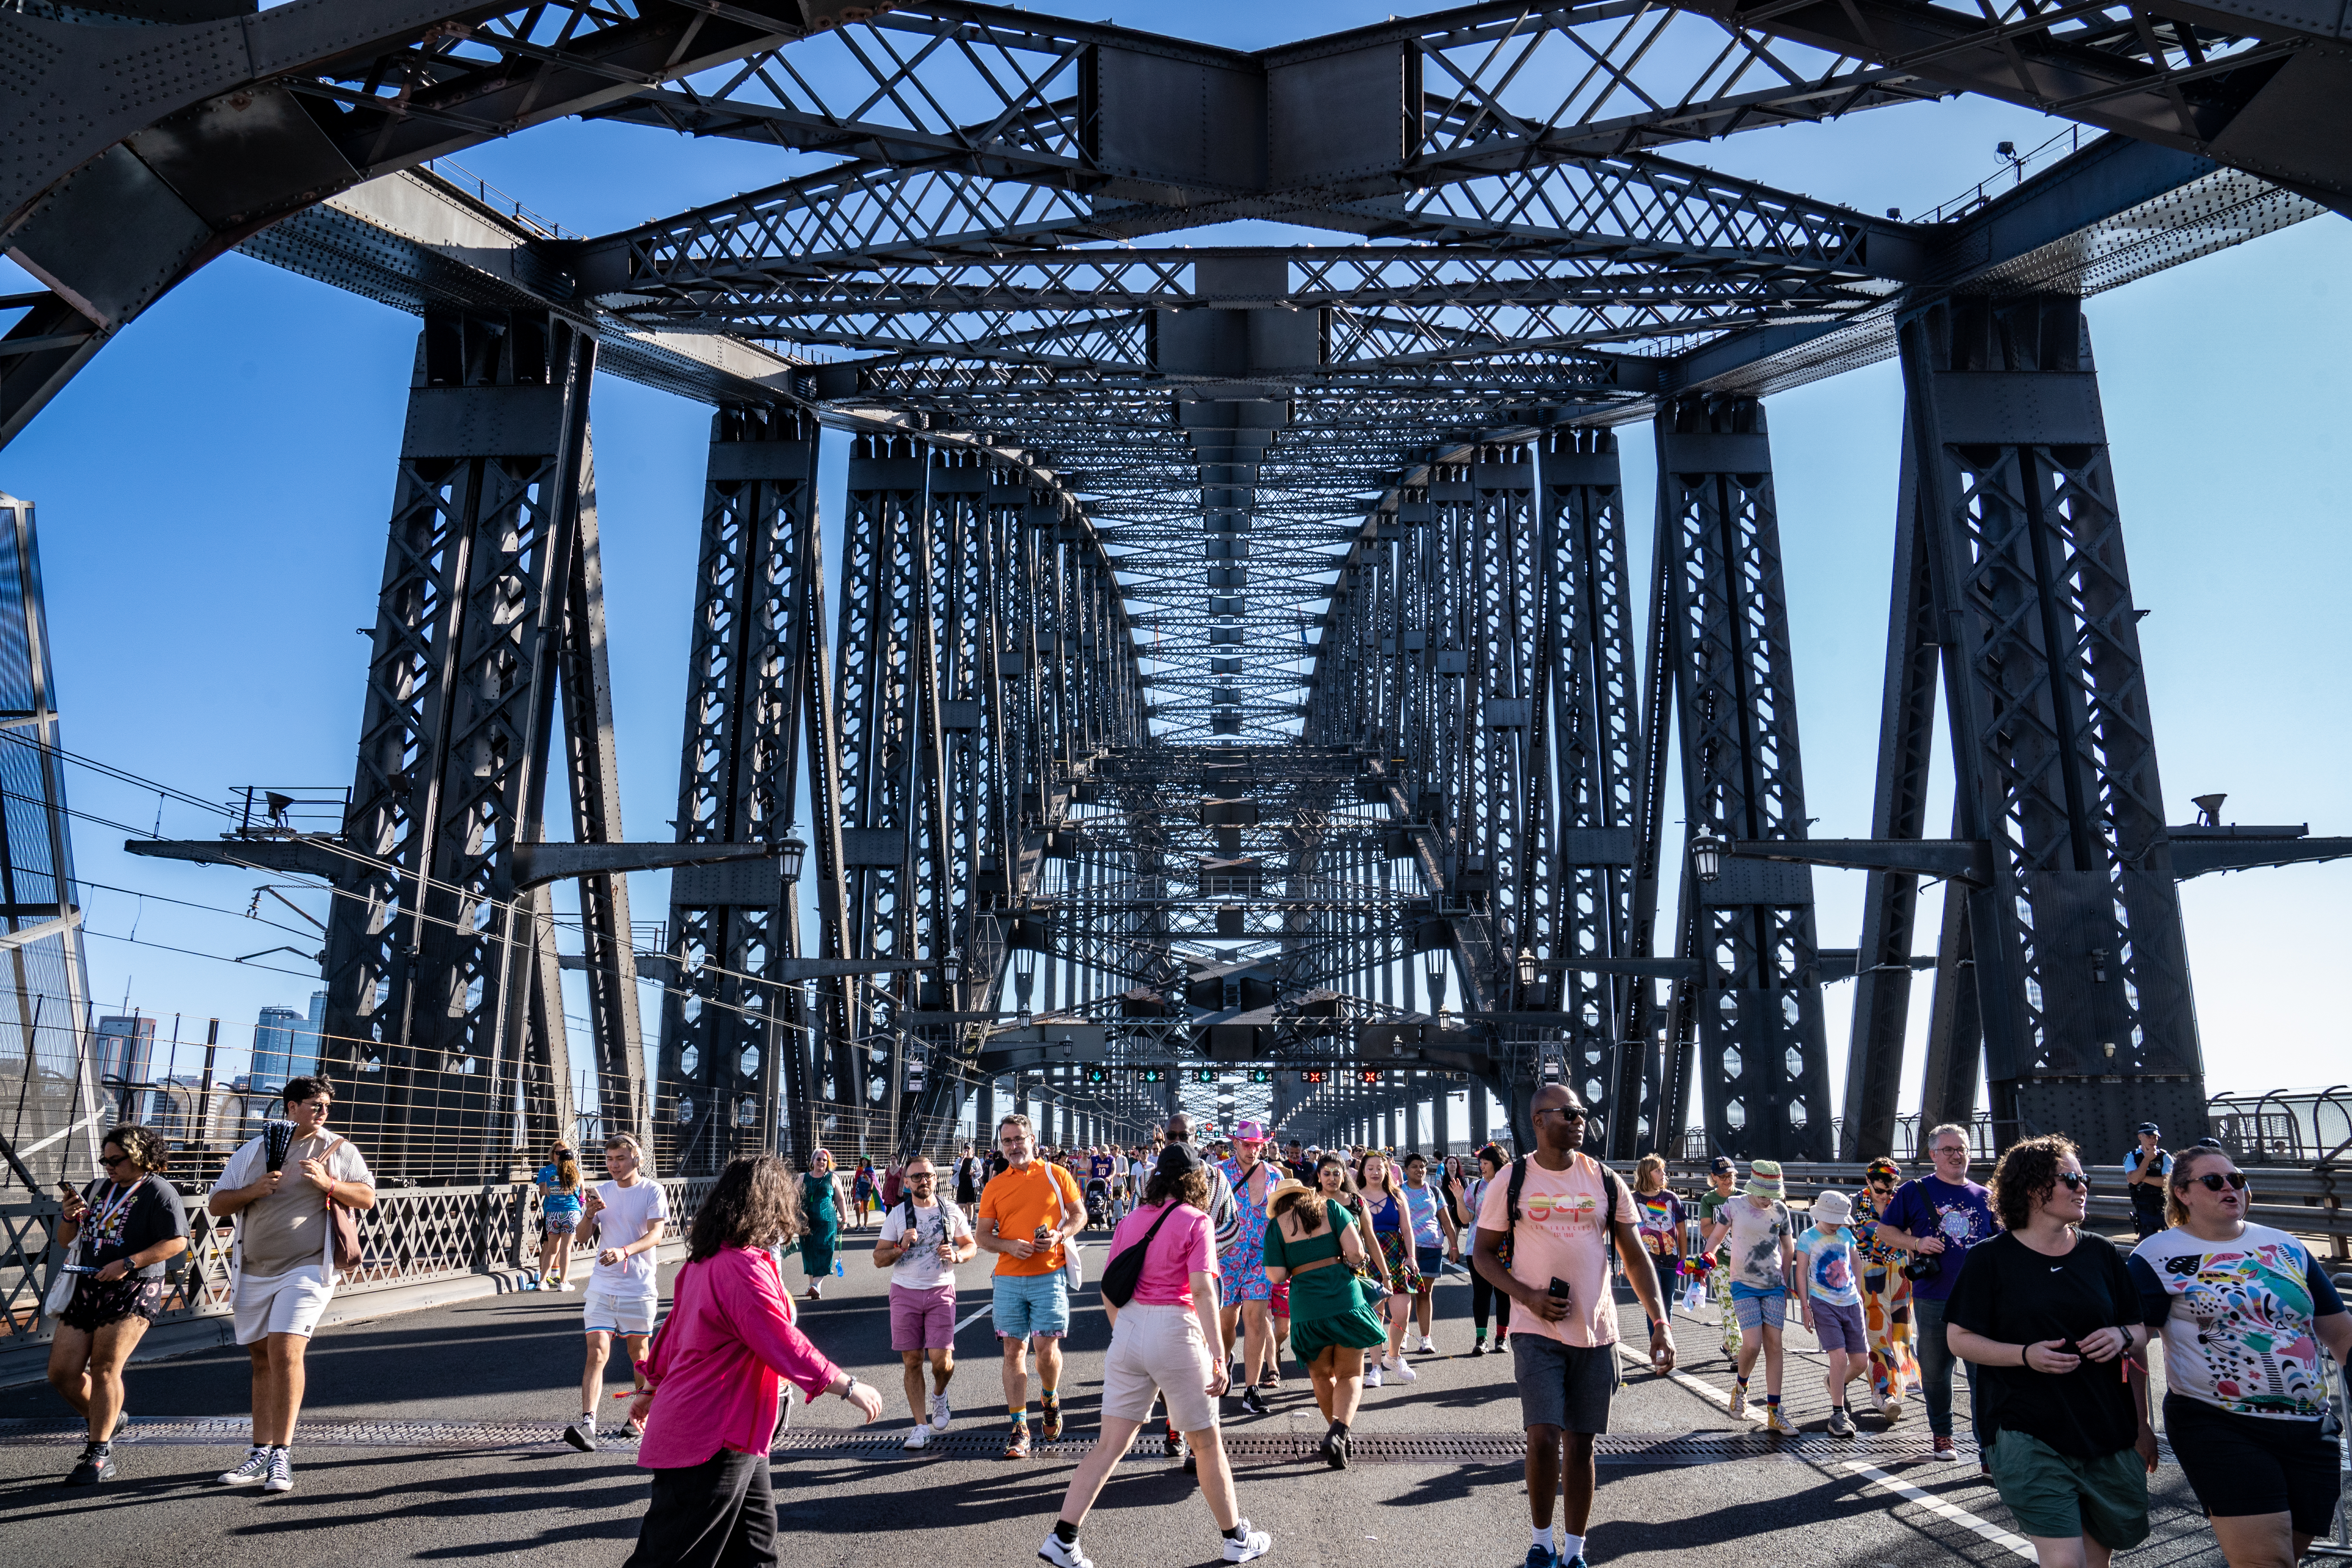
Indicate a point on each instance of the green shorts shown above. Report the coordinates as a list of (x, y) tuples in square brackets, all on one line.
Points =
[(2056, 1494)]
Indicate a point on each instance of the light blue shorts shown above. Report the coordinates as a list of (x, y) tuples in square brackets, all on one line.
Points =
[(1032, 1306)]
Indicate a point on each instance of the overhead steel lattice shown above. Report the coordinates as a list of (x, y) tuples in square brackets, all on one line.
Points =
[(1238, 644)]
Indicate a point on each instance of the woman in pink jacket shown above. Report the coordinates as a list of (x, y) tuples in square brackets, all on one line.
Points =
[(711, 1383)]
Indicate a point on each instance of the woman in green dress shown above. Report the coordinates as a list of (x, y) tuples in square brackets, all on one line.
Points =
[(1315, 1242), (821, 1210)]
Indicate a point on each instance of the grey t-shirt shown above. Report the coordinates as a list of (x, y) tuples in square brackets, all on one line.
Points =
[(287, 1229)]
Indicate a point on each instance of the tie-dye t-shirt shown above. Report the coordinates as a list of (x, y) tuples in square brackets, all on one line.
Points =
[(1755, 1241), (1825, 1257), (2236, 1319)]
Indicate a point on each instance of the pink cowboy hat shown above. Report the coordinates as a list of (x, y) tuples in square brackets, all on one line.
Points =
[(1250, 1132)]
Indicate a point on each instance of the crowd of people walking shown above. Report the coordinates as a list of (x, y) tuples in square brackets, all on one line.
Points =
[(1215, 1266)]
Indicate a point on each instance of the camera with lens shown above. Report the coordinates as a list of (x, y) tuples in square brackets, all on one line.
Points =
[(1923, 1266)]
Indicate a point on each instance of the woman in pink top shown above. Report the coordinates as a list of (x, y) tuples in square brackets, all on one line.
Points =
[(1159, 1346), (711, 1384)]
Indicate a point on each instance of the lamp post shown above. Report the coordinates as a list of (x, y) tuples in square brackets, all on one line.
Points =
[(790, 856), (1706, 852), (1025, 970)]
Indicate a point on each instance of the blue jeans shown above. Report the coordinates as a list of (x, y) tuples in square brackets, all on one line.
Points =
[(1936, 1361)]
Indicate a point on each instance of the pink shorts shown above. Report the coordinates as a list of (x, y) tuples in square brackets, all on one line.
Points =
[(922, 1319)]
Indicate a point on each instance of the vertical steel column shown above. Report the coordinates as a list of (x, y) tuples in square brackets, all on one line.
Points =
[(1906, 736), (1593, 707), (1758, 1000), (2081, 963), (729, 1060), (591, 767), (426, 1011)]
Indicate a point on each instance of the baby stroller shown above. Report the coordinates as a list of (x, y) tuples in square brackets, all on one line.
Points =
[(1097, 1204)]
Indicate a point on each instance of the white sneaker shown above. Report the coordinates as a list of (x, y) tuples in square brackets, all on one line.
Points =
[(1372, 1375), (563, 1285), (940, 1414), (255, 1469), (1428, 1344), (1255, 1543), (1412, 1342), (281, 1472), (920, 1438), (1403, 1372), (1069, 1556)]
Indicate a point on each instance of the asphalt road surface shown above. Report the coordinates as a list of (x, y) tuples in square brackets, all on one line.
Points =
[(433, 1436)]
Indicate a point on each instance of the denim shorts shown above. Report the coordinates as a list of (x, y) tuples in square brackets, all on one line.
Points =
[(1430, 1261), (1029, 1306)]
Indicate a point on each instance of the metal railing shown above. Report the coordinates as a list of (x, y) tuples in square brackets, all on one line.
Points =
[(414, 1236)]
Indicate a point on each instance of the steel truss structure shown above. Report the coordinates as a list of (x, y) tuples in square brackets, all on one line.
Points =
[(1224, 634)]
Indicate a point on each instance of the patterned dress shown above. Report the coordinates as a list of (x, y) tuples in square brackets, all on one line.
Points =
[(1241, 1267), (1885, 1305), (1393, 1226)]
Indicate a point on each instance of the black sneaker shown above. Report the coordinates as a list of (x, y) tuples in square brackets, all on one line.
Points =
[(97, 1464), (1255, 1402), (581, 1435)]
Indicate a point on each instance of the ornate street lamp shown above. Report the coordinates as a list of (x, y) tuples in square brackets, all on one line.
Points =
[(1707, 853)]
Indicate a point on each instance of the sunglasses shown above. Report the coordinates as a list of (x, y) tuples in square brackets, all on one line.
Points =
[(2075, 1181), (2213, 1181), (110, 1161)]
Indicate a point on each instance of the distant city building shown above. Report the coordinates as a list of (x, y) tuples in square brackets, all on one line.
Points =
[(47, 1065), (122, 1048), (310, 1042), (274, 1047)]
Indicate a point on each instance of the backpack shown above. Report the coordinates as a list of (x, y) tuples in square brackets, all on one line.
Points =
[(1124, 1273), (1610, 1189)]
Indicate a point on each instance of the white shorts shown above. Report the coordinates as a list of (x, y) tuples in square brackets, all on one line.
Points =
[(288, 1303), (1157, 1350), (609, 1311)]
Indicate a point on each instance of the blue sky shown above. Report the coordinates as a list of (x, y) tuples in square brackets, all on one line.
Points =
[(213, 492)]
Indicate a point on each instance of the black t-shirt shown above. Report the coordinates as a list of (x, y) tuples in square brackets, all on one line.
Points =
[(2010, 1293), (119, 1223)]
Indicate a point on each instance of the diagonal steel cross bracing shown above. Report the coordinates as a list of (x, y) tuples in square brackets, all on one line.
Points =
[(2080, 967), (432, 951), (1225, 632)]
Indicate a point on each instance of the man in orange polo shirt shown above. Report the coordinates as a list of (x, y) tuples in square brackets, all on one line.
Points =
[(1027, 1213)]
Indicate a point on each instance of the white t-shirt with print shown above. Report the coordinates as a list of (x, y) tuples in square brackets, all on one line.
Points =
[(920, 1268)]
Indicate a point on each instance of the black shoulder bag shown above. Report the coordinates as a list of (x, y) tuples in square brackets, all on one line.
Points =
[(1125, 1272)]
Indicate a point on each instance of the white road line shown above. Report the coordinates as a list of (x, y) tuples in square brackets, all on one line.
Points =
[(1699, 1386), (976, 1316), (1869, 1473), (1942, 1510)]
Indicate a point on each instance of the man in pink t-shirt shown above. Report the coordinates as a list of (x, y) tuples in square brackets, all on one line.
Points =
[(1564, 1336)]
